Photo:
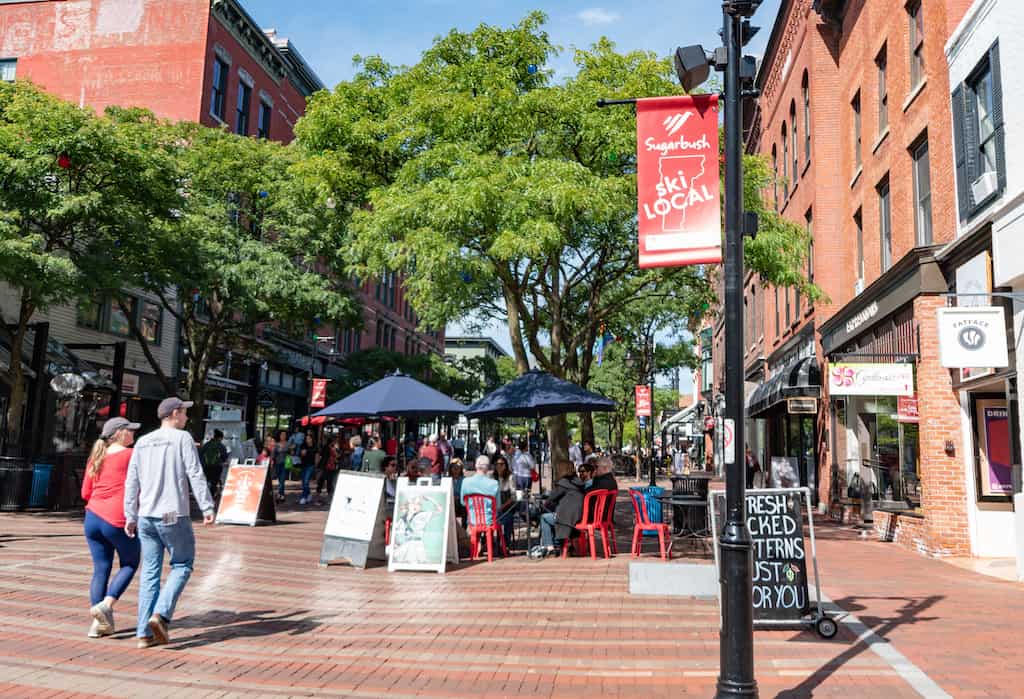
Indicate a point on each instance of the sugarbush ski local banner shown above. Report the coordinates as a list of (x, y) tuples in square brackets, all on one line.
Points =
[(677, 181)]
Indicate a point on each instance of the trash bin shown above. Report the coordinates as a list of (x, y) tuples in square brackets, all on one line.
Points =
[(15, 483), (40, 496), (651, 495)]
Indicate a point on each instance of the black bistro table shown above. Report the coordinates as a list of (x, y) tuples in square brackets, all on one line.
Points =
[(689, 502)]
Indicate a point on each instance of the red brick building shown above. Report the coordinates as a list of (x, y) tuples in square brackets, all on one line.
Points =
[(206, 61), (854, 115)]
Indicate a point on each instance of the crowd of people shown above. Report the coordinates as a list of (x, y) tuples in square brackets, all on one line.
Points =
[(137, 496)]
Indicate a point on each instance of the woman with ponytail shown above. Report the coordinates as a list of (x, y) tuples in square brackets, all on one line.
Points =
[(103, 491)]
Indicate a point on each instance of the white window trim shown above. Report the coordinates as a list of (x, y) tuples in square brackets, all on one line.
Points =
[(222, 53), (245, 78), (266, 99)]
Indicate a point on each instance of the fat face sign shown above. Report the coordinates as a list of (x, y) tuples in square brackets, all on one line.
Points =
[(972, 337), (678, 204)]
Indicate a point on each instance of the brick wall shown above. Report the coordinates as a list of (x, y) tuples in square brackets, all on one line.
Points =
[(943, 478)]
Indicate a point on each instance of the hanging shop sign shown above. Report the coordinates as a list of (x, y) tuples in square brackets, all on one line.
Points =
[(906, 410), (802, 406), (643, 401), (678, 198), (319, 397), (851, 379), (974, 336)]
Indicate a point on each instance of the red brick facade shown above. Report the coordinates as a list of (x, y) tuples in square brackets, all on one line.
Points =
[(161, 55)]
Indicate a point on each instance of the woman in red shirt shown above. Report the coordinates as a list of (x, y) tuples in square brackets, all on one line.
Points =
[(103, 491)]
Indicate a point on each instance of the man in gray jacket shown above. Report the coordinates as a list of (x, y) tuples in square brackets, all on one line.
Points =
[(156, 508)]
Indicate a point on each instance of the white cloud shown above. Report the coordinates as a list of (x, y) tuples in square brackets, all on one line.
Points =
[(593, 16)]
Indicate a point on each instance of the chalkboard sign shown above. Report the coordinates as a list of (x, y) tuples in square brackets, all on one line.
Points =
[(779, 575)]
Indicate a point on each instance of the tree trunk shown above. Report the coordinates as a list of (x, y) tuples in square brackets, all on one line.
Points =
[(197, 370), (587, 428), (558, 439)]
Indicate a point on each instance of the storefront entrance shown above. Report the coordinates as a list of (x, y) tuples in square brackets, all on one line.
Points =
[(792, 437)]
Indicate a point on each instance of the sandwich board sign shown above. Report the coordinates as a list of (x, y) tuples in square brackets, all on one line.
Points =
[(423, 529), (355, 523), (247, 495)]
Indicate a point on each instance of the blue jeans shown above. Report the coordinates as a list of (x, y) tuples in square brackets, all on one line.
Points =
[(507, 521), (547, 529), (524, 483), (180, 542), (307, 475), (282, 475), (103, 539)]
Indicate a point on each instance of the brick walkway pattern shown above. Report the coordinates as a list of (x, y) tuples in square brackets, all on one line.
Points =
[(260, 618)]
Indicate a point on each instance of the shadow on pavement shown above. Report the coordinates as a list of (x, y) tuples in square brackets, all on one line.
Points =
[(909, 613), (222, 626)]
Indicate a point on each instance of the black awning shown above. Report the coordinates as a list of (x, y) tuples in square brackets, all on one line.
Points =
[(800, 379)]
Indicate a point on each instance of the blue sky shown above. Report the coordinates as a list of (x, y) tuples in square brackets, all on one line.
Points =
[(328, 32)]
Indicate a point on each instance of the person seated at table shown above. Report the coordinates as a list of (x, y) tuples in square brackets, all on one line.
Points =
[(604, 475), (390, 480), (564, 505), (456, 473), (482, 483), (507, 487), (415, 469)]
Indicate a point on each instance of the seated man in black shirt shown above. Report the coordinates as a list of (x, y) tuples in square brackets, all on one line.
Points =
[(604, 476)]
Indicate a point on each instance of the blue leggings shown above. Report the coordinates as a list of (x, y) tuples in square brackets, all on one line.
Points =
[(104, 538)]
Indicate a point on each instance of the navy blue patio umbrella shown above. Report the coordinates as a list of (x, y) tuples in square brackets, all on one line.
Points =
[(396, 395), (538, 394)]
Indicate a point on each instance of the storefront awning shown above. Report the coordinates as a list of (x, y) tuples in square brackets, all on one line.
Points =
[(801, 379)]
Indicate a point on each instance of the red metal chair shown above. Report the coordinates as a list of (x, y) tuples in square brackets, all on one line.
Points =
[(591, 520), (477, 517), (644, 523), (607, 525)]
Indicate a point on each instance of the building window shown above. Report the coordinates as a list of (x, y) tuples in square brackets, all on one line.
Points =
[(810, 246), (806, 88), (922, 194), (263, 120), (777, 304), (8, 69), (855, 104), (242, 111), (789, 316), (707, 370), (220, 85), (883, 93), (884, 225), (796, 157), (916, 43), (775, 177), (150, 321), (785, 163), (980, 140), (90, 314), (858, 221), (380, 334)]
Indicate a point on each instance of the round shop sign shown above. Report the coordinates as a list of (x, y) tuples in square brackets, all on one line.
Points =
[(971, 338)]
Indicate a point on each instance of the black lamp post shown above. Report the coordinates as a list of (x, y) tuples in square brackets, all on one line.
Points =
[(736, 637), (645, 362)]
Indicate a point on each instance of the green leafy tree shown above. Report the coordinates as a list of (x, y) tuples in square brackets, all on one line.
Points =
[(75, 189), (248, 247)]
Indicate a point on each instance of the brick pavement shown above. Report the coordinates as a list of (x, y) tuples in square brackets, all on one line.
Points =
[(260, 618)]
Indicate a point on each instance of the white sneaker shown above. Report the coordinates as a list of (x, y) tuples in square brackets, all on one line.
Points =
[(96, 632), (103, 615), (302, 501)]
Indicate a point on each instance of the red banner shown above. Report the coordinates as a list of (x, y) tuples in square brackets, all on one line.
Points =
[(319, 397), (643, 401), (677, 181)]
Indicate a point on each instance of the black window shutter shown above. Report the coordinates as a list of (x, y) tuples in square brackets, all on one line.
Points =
[(997, 115), (963, 185), (973, 159)]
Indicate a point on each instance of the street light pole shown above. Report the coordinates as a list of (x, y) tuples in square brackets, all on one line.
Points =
[(736, 636), (650, 434)]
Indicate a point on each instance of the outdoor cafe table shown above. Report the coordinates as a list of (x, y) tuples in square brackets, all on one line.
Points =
[(689, 517)]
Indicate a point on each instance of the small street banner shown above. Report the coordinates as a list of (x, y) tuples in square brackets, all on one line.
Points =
[(319, 397), (972, 337), (247, 495), (643, 401), (852, 379), (677, 181), (907, 411)]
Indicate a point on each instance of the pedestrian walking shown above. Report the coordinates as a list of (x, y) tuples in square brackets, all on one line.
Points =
[(523, 466), (103, 492), (156, 508), (307, 457), (214, 457), (328, 461)]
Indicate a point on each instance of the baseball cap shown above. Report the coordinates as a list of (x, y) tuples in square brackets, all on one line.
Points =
[(111, 426), (169, 405)]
